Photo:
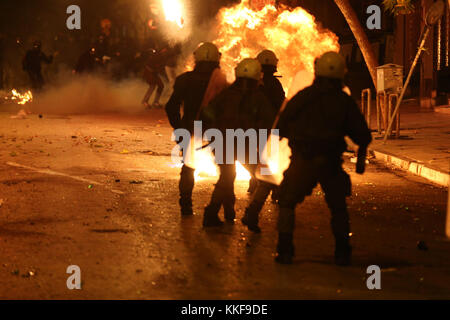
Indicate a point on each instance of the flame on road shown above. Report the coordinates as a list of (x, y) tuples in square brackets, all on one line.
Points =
[(206, 167), (204, 164), (173, 11), (203, 161), (20, 98), (277, 159), (241, 172)]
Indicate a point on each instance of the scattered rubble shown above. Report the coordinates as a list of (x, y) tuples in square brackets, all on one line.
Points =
[(22, 114)]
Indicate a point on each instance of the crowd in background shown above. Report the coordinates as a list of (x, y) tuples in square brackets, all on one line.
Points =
[(113, 57)]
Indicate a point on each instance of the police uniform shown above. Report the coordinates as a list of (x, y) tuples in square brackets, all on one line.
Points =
[(315, 121), (274, 91), (189, 91), (241, 106)]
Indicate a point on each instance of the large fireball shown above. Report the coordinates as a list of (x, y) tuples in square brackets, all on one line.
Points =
[(292, 34)]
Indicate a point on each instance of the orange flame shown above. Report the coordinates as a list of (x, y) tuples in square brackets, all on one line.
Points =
[(20, 98), (173, 11), (203, 162), (206, 167), (292, 34)]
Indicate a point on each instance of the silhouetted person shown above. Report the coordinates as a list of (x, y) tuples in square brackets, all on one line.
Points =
[(88, 62), (189, 93), (274, 91), (315, 121), (154, 70), (242, 106), (32, 65)]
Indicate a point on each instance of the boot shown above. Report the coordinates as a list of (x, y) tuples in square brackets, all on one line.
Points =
[(275, 195), (341, 229), (251, 221), (187, 211), (343, 252), (285, 248), (186, 206), (186, 185), (211, 217), (229, 212), (230, 215)]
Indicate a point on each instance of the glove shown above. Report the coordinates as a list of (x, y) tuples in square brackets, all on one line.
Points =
[(361, 162)]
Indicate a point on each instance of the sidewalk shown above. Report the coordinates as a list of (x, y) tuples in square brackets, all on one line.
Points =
[(423, 147)]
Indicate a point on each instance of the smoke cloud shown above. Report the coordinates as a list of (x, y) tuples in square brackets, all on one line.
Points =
[(90, 94)]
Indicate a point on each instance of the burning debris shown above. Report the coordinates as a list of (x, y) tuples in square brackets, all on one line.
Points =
[(22, 114), (19, 98)]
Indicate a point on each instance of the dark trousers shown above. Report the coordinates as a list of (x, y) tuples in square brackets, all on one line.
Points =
[(154, 82), (36, 79), (186, 185), (299, 181), (257, 201), (223, 194)]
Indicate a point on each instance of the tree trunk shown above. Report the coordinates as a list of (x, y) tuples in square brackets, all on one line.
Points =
[(360, 36)]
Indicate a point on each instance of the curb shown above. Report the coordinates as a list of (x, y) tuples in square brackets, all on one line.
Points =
[(416, 168), (442, 109)]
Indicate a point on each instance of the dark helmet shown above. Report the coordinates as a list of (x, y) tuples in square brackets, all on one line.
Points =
[(267, 57)]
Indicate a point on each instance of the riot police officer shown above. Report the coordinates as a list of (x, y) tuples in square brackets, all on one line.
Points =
[(189, 91), (315, 121), (273, 89), (241, 106), (271, 86)]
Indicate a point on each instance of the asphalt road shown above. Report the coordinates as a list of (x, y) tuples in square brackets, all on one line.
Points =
[(100, 192)]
